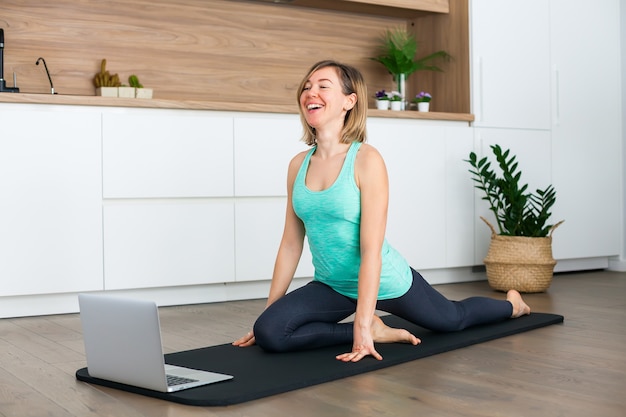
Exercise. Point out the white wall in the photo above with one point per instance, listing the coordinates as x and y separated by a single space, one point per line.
620 264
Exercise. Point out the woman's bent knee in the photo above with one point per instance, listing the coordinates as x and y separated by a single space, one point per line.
268 336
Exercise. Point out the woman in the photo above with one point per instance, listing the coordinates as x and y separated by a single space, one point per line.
337 197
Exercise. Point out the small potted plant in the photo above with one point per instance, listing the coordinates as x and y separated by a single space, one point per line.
520 255
423 101
106 84
397 52
396 101
140 91
382 100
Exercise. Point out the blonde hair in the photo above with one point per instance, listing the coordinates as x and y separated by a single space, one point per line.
354 126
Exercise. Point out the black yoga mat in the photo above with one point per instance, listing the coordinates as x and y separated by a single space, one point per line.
259 374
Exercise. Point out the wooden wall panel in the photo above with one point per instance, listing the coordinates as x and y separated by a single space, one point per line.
450 32
222 50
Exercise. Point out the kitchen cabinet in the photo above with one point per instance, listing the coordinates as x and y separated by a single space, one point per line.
586 127
50 204
259 227
149 244
510 54
428 220
164 153
167 220
263 146
540 84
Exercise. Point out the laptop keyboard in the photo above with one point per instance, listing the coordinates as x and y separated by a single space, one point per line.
173 380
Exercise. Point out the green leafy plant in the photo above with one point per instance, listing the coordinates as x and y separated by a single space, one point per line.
517 212
397 53
133 81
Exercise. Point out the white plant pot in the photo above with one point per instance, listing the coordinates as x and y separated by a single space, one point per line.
106 91
396 105
144 93
423 106
126 92
382 104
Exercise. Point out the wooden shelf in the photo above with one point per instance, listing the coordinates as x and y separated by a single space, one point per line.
405 9
76 100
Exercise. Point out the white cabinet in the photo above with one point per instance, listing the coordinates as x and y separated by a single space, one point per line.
259 227
50 201
459 197
168 188
416 169
510 52
586 131
168 243
558 70
165 153
429 197
264 145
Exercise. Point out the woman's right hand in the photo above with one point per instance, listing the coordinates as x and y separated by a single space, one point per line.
245 341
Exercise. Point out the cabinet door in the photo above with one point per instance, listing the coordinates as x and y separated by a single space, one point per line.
168 243
259 227
459 197
167 153
510 51
264 145
532 149
51 201
587 136
415 161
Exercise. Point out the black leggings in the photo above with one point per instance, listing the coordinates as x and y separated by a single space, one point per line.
309 317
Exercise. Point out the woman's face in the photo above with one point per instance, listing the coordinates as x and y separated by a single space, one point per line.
322 100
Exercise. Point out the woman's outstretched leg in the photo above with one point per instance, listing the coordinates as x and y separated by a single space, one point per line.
426 307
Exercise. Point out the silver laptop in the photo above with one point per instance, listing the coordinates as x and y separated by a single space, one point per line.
123 344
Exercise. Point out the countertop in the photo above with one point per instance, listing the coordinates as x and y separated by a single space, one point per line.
60 99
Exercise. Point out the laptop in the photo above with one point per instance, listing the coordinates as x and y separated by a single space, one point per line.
123 344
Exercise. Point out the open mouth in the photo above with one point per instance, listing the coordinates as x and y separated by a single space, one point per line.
314 106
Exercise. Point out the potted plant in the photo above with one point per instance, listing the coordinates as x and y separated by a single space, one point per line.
382 100
423 101
140 91
397 50
395 101
520 255
106 84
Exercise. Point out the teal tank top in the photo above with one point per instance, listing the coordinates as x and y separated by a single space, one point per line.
332 219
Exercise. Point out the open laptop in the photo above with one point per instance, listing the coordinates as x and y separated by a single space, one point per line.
123 344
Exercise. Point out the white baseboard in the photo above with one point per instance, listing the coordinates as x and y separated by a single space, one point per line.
617 264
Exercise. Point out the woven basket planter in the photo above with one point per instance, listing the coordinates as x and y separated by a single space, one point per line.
520 263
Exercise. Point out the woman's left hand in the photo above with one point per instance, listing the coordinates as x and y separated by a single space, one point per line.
363 346
358 353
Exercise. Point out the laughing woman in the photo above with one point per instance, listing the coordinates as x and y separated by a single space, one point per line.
337 198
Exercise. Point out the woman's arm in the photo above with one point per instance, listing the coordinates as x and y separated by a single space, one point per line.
371 177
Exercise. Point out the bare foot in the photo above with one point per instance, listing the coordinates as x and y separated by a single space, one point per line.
520 308
382 333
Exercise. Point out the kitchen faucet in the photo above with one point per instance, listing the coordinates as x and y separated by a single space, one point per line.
47 73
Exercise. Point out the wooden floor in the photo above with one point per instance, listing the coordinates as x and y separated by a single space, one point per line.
574 369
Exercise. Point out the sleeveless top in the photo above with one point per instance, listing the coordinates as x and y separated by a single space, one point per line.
332 219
